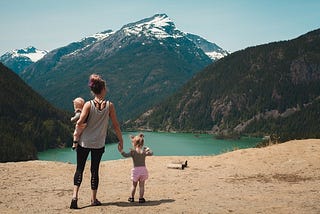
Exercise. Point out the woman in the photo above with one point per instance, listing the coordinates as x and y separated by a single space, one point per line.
95 114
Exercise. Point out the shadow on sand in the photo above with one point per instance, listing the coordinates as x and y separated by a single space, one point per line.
128 204
147 203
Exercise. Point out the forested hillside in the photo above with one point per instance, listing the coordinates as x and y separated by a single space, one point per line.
28 123
271 89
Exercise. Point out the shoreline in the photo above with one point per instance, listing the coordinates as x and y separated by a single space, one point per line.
282 178
163 145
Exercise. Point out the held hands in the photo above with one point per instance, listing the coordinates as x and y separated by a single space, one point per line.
120 147
148 151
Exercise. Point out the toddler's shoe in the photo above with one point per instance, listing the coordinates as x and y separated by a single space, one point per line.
142 200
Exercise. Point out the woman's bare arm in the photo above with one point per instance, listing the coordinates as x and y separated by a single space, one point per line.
116 126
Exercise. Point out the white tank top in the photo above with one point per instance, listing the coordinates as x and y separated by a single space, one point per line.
95 133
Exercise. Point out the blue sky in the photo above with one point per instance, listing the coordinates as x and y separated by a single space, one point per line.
231 24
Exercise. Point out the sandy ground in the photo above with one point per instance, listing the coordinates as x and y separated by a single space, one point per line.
282 178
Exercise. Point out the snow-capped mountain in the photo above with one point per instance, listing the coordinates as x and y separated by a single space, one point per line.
159 26
19 59
211 49
144 62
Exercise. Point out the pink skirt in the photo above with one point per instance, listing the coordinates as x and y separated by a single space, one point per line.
139 173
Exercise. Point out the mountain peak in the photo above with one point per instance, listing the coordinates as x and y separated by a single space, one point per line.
159 26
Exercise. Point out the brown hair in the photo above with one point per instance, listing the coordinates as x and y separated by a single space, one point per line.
96 83
138 140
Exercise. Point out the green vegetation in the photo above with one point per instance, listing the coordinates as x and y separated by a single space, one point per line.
303 124
262 90
28 123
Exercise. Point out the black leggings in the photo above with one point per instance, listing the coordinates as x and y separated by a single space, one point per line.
82 155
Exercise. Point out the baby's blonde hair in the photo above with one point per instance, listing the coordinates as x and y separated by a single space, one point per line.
78 103
138 141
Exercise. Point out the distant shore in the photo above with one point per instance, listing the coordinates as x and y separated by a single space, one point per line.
283 178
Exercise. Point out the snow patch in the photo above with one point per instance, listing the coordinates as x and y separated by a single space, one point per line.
215 55
156 27
32 53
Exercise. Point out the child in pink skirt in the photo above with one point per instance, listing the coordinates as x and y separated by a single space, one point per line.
139 173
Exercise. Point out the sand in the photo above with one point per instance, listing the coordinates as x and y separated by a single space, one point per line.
283 178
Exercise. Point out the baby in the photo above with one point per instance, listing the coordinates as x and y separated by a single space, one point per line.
78 104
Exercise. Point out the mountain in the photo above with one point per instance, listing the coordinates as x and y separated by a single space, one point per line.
211 49
28 123
271 89
17 60
143 62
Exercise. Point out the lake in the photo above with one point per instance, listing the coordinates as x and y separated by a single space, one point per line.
162 144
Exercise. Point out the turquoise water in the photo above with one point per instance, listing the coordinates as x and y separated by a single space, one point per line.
162 144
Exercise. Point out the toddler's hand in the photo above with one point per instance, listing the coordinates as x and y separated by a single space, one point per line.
146 149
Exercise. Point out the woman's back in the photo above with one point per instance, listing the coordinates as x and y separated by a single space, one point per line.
95 133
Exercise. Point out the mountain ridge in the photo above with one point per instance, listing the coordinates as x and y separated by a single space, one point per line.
19 64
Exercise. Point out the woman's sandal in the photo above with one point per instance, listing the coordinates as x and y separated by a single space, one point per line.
95 203
131 200
74 203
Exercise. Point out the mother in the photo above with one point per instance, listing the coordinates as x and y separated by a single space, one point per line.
96 114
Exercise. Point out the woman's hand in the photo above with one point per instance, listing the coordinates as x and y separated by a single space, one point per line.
120 147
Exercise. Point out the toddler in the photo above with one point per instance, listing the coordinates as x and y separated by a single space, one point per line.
139 173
